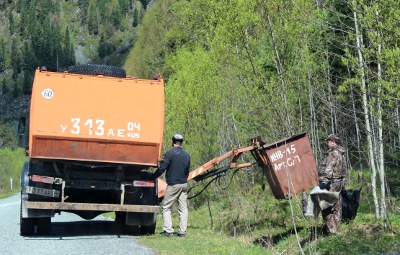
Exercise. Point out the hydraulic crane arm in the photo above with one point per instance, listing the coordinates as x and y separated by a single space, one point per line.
236 153
288 165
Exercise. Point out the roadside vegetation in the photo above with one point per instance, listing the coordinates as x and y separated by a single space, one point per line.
5 195
11 163
212 230
239 69
267 228
12 159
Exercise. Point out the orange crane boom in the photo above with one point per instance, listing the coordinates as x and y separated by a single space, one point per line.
214 162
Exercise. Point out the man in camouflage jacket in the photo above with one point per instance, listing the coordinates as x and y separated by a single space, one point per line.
331 174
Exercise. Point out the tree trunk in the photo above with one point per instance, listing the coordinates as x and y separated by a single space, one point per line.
366 114
381 166
279 69
358 136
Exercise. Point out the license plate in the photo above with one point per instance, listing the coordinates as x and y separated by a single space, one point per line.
42 192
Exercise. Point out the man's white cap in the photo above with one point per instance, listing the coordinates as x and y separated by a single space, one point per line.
177 137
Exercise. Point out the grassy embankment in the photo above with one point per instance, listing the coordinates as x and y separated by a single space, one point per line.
364 235
275 231
9 194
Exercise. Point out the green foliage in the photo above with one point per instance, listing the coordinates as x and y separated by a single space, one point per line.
27 83
93 22
135 21
11 162
4 86
146 58
2 55
40 32
17 88
144 2
362 236
7 136
68 52
235 70
105 48
11 21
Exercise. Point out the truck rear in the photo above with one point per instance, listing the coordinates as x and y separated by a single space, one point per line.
93 135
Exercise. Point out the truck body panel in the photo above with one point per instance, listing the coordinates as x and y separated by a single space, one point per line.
96 118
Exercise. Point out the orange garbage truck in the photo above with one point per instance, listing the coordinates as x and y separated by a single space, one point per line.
93 134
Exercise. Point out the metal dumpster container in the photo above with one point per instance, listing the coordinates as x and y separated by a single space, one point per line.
289 165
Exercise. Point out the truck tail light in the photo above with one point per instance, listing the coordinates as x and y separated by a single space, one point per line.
43 179
143 183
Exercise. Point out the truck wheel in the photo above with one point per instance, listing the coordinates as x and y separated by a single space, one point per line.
93 69
119 218
27 225
131 230
148 230
44 226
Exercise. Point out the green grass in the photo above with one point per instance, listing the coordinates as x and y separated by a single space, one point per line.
200 239
273 231
9 194
274 235
365 235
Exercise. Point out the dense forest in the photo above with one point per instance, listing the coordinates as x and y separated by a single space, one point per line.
58 34
239 69
235 70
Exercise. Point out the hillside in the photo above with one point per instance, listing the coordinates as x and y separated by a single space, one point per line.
58 34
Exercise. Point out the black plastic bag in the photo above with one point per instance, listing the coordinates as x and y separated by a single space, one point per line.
350 203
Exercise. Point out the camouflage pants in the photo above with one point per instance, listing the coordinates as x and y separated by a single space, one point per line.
333 215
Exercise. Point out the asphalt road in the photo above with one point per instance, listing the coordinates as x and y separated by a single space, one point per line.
70 235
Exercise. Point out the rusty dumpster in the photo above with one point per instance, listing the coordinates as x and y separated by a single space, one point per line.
289 165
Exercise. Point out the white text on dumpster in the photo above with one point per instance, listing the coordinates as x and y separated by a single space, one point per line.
287 157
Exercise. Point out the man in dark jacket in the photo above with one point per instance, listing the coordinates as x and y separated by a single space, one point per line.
177 164
331 174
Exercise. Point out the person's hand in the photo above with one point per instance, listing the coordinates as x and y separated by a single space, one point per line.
323 185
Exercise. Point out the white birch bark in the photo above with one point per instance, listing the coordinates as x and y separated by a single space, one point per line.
381 166
279 69
366 113
396 140
357 127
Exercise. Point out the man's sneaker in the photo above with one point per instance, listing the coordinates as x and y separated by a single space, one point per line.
166 234
181 234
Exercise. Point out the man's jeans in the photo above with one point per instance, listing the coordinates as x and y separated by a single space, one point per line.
174 192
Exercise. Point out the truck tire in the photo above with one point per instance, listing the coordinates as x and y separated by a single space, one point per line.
132 230
44 226
27 225
119 218
148 230
93 69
